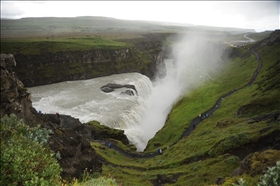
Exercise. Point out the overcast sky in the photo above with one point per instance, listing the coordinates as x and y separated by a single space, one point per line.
258 15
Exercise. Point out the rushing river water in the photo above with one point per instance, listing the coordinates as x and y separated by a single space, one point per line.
140 116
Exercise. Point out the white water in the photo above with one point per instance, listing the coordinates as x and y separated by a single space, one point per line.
139 116
84 100
157 106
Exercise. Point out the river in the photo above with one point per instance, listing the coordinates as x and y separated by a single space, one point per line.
140 116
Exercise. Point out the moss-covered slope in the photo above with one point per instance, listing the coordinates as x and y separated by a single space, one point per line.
248 121
43 61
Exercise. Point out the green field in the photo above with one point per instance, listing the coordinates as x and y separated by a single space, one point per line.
203 157
37 46
217 146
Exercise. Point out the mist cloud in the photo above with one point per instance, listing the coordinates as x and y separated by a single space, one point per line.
238 14
195 60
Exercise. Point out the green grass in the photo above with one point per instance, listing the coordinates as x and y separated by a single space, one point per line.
260 36
54 45
202 157
256 36
203 98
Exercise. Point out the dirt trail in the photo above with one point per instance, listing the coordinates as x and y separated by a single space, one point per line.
195 122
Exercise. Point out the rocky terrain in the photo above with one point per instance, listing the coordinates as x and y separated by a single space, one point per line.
69 137
144 56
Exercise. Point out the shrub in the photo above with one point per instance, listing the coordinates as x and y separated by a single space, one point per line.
240 182
24 161
12 127
271 177
232 141
98 181
233 160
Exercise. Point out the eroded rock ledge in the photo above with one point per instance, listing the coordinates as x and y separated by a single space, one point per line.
69 139
110 87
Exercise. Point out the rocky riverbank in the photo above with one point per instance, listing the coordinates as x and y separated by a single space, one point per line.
69 138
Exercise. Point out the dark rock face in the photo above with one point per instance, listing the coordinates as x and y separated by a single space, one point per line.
42 69
107 89
163 179
103 134
273 38
14 97
70 139
47 68
110 87
128 92
257 163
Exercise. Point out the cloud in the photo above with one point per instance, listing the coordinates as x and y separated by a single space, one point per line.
241 14
11 10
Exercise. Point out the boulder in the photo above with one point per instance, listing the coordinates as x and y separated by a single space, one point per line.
112 86
68 139
128 92
107 89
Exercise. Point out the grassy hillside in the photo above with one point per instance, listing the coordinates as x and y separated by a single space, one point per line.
48 26
53 45
243 124
217 146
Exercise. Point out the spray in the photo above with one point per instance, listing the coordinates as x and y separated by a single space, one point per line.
195 58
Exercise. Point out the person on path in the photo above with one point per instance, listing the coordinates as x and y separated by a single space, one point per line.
109 145
159 151
200 117
57 114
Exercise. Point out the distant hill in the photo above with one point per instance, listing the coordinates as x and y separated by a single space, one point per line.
87 24
227 29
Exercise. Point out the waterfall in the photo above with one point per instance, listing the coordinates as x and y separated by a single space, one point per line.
157 106
131 116
83 99
140 116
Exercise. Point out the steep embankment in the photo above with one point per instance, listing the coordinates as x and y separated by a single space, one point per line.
49 61
68 138
245 125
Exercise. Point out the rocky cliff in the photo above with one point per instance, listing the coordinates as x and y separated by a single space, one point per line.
274 38
70 139
143 56
14 97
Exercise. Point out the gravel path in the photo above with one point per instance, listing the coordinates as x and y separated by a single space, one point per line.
195 122
65 120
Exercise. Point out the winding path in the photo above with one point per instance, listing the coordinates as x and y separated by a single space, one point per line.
195 122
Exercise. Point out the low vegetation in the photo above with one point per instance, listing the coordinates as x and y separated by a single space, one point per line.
25 158
210 155
54 45
211 151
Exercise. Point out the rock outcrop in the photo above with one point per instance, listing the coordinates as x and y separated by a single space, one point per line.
272 39
14 97
110 87
69 139
144 56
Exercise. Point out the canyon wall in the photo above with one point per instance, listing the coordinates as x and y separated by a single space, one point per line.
143 56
